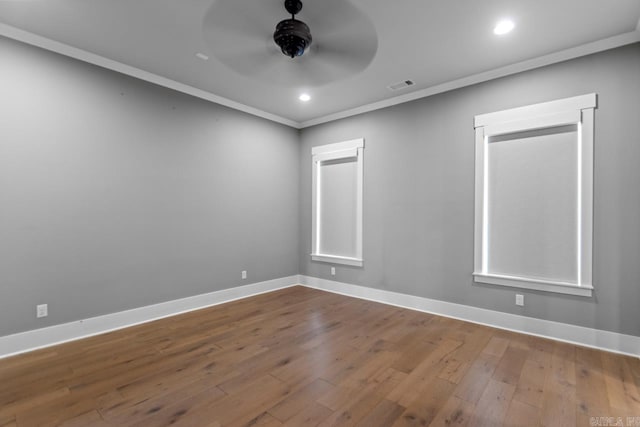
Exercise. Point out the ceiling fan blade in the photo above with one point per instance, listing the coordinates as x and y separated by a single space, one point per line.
229 20
338 56
327 16
253 62
355 53
238 35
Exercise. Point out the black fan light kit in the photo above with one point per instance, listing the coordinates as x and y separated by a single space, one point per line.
291 35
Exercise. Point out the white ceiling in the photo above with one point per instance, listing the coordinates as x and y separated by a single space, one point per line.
437 44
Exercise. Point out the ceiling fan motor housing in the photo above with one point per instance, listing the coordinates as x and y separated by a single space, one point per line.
292 36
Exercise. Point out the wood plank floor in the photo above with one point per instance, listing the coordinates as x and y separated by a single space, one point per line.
301 357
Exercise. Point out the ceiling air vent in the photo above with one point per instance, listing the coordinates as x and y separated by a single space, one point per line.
401 85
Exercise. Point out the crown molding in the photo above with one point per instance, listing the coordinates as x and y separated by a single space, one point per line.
82 55
530 64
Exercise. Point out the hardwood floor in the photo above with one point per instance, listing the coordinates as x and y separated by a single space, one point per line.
301 357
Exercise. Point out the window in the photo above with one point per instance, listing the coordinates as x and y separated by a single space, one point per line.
534 196
337 203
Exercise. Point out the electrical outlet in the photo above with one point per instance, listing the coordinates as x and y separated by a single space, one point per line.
520 300
244 274
333 271
42 310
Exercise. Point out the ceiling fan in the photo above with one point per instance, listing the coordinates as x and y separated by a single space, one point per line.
240 34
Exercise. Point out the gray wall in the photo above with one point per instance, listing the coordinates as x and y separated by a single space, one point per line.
115 193
419 190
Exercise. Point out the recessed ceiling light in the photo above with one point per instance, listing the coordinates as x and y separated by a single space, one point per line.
202 56
503 27
304 97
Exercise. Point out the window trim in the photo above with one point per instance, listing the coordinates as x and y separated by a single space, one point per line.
341 150
577 110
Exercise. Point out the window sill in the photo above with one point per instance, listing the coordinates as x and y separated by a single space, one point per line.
334 259
534 284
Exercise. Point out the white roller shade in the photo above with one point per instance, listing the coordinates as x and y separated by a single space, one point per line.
532 204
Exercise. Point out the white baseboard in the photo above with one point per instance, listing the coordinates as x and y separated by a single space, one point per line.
40 338
595 338
45 337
